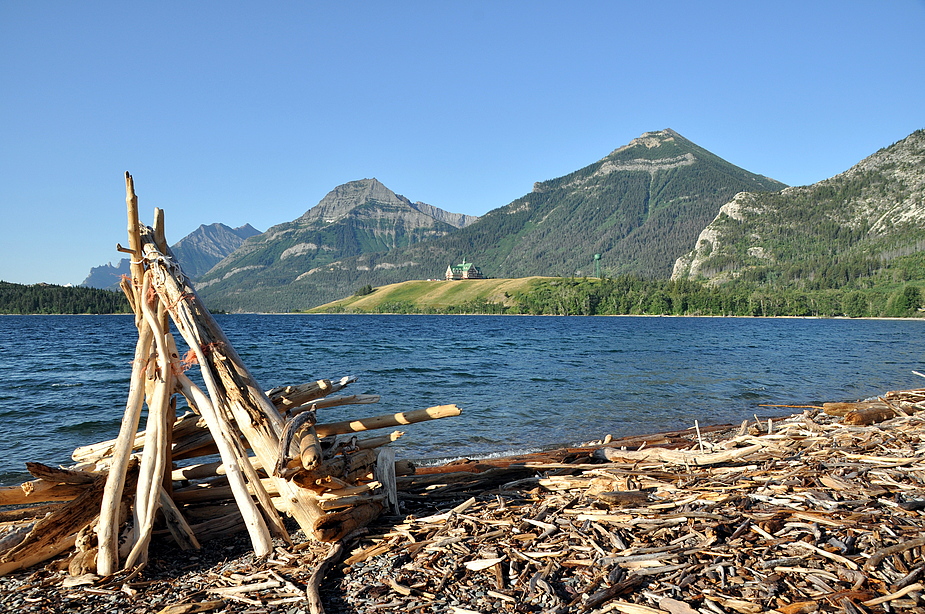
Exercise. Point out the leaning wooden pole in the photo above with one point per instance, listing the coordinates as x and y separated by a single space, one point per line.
231 385
107 530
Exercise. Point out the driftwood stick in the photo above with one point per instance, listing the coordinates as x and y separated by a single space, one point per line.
387 420
256 528
134 243
680 457
883 553
154 455
177 524
185 432
284 397
325 402
313 587
107 559
229 432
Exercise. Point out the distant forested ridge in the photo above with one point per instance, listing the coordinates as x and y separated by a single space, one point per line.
50 299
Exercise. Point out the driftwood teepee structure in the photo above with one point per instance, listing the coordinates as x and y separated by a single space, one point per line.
274 457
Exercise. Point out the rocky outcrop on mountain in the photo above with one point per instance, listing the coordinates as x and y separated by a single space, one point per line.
823 235
459 220
198 252
355 218
206 246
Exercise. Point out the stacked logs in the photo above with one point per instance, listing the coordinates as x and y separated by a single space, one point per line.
274 456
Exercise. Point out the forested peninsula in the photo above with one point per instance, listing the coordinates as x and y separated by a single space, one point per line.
44 299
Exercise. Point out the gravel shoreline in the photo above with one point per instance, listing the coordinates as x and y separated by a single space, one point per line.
805 515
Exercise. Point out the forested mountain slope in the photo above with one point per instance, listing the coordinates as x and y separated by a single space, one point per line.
863 227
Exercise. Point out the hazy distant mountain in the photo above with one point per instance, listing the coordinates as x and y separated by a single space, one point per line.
206 246
855 225
640 207
355 218
197 252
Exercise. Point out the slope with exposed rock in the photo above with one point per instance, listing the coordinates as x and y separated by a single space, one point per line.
640 207
853 226
355 218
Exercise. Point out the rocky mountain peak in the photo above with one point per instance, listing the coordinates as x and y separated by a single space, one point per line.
650 140
340 201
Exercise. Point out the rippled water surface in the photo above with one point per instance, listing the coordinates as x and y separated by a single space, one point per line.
522 382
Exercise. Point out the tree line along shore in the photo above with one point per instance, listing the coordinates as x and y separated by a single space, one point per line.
621 295
631 295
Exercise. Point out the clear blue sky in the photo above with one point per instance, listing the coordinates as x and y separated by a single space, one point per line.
251 112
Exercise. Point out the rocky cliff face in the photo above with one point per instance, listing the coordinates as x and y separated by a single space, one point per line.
874 212
206 246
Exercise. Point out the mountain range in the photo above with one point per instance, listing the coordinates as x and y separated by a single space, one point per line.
640 207
658 207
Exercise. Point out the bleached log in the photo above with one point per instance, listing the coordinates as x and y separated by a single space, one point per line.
679 457
57 532
154 455
59 475
107 560
39 491
387 420
347 467
257 529
869 415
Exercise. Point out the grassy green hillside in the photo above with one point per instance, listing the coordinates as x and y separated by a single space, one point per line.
434 295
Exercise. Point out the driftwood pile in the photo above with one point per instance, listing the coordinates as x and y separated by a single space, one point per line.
806 514
274 455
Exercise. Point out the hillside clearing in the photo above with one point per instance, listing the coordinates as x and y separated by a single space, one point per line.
433 294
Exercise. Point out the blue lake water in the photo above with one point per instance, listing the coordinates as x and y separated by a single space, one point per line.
522 382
